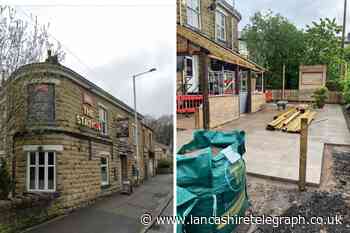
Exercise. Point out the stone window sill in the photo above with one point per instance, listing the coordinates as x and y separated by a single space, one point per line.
53 194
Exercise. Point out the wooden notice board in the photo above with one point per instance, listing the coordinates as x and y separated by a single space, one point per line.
312 77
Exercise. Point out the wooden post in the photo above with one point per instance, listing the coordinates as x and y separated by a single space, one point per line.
283 81
196 119
249 88
238 79
303 154
204 64
345 70
262 82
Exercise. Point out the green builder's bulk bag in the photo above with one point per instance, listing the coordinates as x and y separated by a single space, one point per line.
216 183
185 202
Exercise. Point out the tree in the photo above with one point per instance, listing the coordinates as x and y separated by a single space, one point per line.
323 42
163 128
273 41
23 41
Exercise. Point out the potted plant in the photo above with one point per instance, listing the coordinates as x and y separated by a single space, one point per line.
320 96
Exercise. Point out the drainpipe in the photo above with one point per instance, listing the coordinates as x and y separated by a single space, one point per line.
262 82
13 166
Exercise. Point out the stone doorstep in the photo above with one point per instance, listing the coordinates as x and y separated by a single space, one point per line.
157 212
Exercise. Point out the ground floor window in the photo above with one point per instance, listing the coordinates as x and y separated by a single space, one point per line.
104 171
41 171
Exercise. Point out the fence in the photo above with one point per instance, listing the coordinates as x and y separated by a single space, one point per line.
188 103
304 96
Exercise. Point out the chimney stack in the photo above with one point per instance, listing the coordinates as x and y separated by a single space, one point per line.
51 59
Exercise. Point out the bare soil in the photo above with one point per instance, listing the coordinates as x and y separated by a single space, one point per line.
332 198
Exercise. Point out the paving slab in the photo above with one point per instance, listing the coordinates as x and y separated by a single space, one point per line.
115 214
275 154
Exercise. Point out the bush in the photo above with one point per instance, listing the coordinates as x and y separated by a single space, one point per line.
346 90
165 163
5 181
334 85
320 96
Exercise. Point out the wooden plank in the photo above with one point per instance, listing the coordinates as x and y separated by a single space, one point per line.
278 122
303 154
292 117
295 126
249 87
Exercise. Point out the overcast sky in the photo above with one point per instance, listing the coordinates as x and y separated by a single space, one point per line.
301 12
109 41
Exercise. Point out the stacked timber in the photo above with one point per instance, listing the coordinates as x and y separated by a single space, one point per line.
290 120
277 123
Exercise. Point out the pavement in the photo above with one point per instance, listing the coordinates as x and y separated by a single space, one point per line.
275 154
164 228
117 213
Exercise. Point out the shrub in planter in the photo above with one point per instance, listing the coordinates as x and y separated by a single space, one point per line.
5 180
320 97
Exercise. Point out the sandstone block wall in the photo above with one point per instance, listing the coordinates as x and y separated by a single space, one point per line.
223 109
258 101
20 213
78 174
207 22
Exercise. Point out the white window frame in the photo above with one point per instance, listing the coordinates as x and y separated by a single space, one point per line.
194 13
103 119
219 26
104 183
36 166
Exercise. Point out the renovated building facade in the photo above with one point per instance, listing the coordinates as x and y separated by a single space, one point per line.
210 70
62 135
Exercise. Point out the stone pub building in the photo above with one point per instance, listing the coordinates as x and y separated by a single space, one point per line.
64 136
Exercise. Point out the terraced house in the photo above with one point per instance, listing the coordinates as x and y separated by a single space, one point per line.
210 70
64 136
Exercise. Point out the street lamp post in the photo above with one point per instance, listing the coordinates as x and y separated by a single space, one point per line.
135 115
